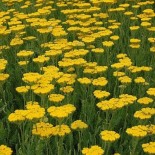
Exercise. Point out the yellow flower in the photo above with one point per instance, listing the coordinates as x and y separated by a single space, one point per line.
114 37
134 45
101 81
23 63
61 130
22 89
84 80
34 111
25 53
18 116
135 41
61 111
41 59
133 28
3 77
67 89
42 89
145 113
125 79
118 74
149 147
42 129
140 80
145 100
151 91
110 136
56 97
145 24
93 150
16 41
137 131
152 49
98 50
108 43
31 77
78 124
4 150
101 94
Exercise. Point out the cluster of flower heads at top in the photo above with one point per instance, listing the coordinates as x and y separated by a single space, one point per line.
147 111
3 76
33 112
141 131
149 147
46 130
43 84
117 103
145 18
107 136
5 150
125 66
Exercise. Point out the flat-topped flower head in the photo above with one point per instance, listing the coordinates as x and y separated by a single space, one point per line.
78 125
23 89
5 150
93 150
145 100
138 131
61 111
149 148
42 129
151 91
56 97
25 53
109 136
3 77
84 80
61 130
101 81
145 113
107 43
31 77
101 94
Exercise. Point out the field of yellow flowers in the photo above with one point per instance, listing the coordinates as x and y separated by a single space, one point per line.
77 77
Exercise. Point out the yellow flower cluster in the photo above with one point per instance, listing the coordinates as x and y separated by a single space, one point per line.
23 89
78 124
140 131
151 91
61 111
3 63
149 147
33 112
3 77
145 100
116 103
42 129
145 113
61 130
101 81
4 150
101 94
42 88
84 80
31 78
56 97
110 136
41 59
25 54
93 150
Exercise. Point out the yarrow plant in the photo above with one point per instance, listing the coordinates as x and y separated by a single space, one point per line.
77 77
